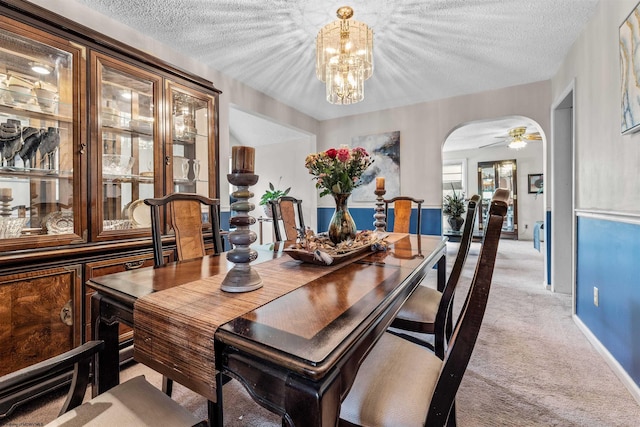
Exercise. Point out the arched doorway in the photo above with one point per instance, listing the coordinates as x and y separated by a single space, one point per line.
481 142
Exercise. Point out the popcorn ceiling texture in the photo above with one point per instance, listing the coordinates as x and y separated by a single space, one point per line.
423 49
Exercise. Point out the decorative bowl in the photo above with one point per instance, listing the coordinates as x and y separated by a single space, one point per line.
117 164
11 227
46 99
20 93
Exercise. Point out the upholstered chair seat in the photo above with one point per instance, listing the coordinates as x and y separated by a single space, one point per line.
379 394
133 403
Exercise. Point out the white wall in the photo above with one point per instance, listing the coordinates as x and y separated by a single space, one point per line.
281 165
606 162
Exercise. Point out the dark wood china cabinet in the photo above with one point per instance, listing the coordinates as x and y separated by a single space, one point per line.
491 176
89 128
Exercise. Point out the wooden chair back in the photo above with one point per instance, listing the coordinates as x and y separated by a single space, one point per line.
443 319
289 210
402 207
185 213
467 328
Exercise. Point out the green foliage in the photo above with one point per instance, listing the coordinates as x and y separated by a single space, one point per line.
453 205
273 194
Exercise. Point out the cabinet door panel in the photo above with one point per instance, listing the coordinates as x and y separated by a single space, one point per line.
192 147
39 316
41 116
499 174
127 126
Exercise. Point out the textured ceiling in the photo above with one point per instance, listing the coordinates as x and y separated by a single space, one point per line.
423 49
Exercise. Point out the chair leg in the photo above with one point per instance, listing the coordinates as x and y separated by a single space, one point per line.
167 386
214 413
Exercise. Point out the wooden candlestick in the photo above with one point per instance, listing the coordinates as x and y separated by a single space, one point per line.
243 159
379 216
242 278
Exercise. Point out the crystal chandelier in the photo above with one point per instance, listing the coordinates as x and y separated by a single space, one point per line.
344 58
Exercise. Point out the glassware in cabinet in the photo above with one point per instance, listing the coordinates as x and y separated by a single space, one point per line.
127 116
39 124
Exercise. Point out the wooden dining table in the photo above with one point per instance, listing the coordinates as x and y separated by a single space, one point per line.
295 344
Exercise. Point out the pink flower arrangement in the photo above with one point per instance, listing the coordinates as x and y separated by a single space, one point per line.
338 170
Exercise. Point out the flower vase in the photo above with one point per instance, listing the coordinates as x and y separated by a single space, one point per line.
342 226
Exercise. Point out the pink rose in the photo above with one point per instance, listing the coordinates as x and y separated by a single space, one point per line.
343 154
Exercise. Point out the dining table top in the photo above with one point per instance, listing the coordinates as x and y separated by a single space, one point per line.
308 324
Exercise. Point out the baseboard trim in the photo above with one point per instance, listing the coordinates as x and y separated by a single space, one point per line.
617 369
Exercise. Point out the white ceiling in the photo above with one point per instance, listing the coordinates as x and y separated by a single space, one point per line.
484 133
423 49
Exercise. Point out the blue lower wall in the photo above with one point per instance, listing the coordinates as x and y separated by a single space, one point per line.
608 257
547 242
431 219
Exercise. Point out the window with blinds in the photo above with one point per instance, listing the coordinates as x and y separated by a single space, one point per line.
453 177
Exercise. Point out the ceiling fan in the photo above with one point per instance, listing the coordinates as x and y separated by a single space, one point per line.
517 138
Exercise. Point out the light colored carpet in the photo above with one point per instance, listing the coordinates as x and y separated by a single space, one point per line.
531 365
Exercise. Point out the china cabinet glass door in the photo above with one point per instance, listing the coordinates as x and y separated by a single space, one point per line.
499 174
39 137
191 151
127 121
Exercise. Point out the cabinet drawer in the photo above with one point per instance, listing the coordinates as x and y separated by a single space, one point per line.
110 266
40 315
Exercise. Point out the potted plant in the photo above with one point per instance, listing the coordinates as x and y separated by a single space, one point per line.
453 207
271 194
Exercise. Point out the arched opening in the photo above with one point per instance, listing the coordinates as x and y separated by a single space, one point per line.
474 149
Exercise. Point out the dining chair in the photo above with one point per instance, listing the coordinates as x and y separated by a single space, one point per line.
289 210
402 383
134 402
402 207
426 310
185 219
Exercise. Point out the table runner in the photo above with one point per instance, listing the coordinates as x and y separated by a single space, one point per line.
174 328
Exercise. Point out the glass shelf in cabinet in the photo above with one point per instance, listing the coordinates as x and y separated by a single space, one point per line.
59 112
110 126
28 173
126 88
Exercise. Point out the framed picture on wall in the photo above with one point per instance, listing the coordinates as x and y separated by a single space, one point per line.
384 148
536 183
629 63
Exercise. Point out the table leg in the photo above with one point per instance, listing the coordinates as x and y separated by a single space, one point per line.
106 369
305 405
